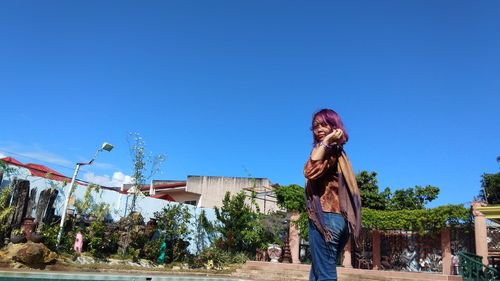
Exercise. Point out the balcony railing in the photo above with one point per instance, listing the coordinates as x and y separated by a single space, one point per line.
473 269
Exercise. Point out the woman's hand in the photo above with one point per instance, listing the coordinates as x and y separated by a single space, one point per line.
334 136
319 151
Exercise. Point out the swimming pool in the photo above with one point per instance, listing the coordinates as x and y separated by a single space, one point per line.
65 276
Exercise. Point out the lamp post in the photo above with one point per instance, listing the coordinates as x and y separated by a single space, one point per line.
105 146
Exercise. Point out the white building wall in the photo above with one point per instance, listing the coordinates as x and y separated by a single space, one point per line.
213 189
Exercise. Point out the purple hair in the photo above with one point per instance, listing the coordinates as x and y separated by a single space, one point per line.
331 118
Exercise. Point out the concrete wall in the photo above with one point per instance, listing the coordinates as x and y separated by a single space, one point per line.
213 189
183 197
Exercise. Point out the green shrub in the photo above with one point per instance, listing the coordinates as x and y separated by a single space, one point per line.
102 242
50 232
239 258
219 257
152 249
240 225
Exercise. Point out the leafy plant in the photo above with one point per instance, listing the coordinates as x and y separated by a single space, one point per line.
291 197
274 229
409 199
204 233
490 192
413 198
87 206
50 231
101 241
5 169
145 165
240 226
370 196
173 221
152 249
418 220
17 232
5 211
218 258
239 258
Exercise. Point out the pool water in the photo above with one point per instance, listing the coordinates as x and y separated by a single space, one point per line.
45 276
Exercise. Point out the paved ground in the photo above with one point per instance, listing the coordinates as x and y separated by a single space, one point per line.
266 271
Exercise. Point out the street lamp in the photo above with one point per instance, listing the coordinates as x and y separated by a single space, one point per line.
105 146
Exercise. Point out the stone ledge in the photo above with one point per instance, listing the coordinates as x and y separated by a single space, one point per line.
354 274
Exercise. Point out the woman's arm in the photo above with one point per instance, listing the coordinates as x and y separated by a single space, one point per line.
319 151
315 168
318 162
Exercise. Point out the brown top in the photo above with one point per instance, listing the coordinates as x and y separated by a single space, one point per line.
331 186
326 182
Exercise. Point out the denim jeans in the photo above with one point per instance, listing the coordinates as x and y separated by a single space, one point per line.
325 254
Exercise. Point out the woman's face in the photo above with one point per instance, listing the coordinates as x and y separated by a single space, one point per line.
320 129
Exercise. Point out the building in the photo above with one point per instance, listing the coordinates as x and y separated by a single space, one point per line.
209 191
199 191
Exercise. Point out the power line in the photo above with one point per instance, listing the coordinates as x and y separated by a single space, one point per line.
32 158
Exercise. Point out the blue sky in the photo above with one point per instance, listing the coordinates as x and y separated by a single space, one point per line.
228 88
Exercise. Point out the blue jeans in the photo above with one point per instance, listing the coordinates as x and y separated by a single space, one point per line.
325 254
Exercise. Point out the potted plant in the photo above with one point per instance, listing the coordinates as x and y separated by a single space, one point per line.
17 236
274 252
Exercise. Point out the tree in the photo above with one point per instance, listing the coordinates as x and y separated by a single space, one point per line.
173 222
370 196
413 198
87 206
240 226
402 199
205 232
490 184
145 166
291 197
490 187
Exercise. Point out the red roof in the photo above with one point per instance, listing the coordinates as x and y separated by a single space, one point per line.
164 186
164 197
38 170
11 161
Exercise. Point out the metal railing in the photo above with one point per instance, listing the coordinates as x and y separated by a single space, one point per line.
473 269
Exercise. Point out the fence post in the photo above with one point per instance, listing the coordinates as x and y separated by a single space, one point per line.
293 237
376 250
347 262
480 232
446 250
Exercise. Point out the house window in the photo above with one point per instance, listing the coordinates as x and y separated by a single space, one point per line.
190 202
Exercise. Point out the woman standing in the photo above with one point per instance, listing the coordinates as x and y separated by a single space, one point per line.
332 195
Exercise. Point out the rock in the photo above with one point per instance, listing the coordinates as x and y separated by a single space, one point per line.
145 263
184 266
18 265
115 262
34 254
85 260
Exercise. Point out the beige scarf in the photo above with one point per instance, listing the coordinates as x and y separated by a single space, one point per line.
349 197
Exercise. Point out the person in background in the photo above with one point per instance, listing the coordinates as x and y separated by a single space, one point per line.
78 243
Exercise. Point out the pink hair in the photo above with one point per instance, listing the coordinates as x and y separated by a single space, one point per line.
331 118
